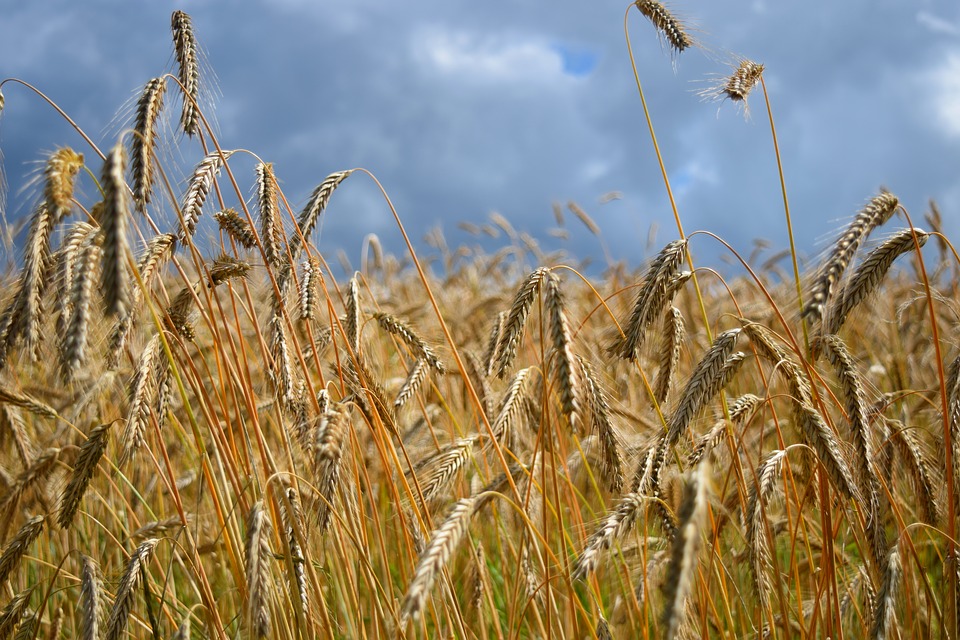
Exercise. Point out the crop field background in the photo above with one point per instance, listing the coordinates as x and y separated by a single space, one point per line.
239 439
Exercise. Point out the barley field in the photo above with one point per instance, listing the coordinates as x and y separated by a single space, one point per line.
232 439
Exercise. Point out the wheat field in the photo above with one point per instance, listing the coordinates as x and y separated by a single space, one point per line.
229 438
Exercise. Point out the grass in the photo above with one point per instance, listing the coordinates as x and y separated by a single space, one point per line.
223 439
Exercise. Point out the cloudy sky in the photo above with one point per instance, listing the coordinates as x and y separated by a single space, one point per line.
466 108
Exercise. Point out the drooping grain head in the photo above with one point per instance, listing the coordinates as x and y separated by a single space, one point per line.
144 141
113 224
671 29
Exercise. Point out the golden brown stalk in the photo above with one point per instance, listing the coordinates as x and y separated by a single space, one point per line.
258 555
513 328
271 226
330 433
611 463
197 191
310 288
13 553
311 211
443 543
868 275
83 469
415 378
421 350
127 589
876 213
477 372
236 227
686 547
144 141
91 604
669 355
185 50
885 614
564 368
113 225
654 295
668 26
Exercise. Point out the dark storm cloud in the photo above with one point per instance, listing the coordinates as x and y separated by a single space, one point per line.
461 109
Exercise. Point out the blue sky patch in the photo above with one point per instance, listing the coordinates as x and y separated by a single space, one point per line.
577 61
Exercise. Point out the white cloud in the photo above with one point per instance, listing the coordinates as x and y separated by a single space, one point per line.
496 59
937 24
945 84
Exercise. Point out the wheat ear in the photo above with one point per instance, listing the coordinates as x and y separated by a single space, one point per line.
396 327
113 226
144 141
669 355
185 49
443 543
919 469
506 350
885 614
683 558
611 462
511 406
197 191
271 227
618 523
869 274
654 295
876 213
257 552
73 343
15 549
668 26
311 211
330 434
91 603
435 473
83 469
141 390
755 523
127 589
13 612
310 288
